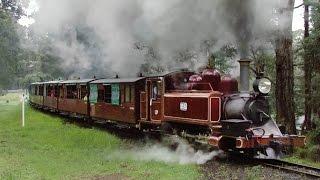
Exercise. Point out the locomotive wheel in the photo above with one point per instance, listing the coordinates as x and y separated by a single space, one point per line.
89 121
167 128
246 154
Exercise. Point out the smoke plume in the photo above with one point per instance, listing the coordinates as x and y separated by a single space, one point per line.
99 37
184 153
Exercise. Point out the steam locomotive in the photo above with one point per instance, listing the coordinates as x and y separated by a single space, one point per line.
204 106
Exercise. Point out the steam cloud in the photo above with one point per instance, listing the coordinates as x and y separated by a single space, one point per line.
98 36
183 154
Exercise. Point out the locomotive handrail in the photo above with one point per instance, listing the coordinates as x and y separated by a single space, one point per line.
197 83
257 129
190 91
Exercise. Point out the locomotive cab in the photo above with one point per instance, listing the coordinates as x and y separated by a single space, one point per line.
182 101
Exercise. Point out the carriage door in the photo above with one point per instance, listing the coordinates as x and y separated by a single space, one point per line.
155 91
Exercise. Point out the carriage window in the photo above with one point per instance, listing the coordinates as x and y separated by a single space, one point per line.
34 90
72 92
56 90
122 93
50 91
108 94
93 93
45 89
40 90
84 92
155 90
132 93
61 92
100 95
127 93
115 96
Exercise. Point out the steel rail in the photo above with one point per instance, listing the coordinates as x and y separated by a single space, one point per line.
291 167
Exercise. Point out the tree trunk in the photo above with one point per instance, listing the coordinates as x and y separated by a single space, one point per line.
307 125
284 71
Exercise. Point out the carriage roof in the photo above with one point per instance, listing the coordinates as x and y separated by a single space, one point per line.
117 80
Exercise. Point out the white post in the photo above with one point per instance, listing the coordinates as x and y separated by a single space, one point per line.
23 110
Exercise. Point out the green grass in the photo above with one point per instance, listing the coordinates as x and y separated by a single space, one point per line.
47 148
305 161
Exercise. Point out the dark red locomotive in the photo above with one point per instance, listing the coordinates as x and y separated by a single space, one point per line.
203 105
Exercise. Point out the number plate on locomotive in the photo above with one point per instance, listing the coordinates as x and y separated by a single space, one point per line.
183 106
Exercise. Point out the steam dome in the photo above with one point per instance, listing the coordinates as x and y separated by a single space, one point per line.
212 76
195 78
228 85
193 81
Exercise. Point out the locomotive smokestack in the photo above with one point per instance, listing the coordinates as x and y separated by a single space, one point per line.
244 74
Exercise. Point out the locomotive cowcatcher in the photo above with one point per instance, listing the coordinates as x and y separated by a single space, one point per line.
203 105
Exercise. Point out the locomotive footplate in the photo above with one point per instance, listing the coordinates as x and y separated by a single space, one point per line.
258 141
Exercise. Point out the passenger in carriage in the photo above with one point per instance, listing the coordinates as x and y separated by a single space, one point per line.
52 94
75 95
85 98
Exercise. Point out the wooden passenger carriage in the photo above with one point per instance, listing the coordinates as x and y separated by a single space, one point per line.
50 95
142 100
116 99
73 97
36 94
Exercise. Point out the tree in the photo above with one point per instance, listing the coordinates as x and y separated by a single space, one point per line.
9 50
219 58
38 62
313 43
307 71
284 70
264 60
152 61
12 7
222 58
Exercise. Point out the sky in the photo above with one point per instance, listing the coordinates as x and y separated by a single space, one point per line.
32 8
298 21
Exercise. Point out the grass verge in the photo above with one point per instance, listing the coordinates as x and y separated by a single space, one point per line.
304 161
48 148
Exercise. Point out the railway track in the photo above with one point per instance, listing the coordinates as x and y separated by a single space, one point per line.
307 171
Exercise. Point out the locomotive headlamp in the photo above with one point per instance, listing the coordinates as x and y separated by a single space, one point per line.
262 85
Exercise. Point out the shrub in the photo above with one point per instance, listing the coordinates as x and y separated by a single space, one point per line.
314 136
314 153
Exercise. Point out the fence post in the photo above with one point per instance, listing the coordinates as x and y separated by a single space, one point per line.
23 118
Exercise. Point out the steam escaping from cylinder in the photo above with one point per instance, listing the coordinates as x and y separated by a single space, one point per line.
270 154
183 153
